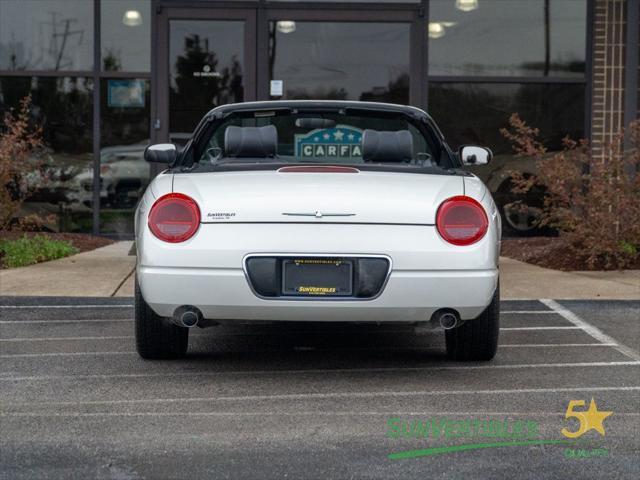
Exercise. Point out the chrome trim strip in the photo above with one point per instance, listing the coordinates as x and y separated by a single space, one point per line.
306 222
317 255
318 214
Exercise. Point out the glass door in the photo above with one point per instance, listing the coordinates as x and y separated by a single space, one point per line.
344 55
208 59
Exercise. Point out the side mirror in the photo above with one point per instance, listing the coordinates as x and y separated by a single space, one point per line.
161 153
474 155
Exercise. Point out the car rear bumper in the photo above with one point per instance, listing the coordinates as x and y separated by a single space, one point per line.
408 296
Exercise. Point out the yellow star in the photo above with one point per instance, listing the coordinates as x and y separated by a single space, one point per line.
594 418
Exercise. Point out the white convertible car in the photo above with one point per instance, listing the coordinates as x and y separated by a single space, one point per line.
322 211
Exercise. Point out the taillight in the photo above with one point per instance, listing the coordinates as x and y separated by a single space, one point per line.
174 218
461 220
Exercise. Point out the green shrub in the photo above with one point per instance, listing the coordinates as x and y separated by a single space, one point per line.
26 251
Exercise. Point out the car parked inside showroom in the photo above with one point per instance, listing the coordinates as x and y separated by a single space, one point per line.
324 211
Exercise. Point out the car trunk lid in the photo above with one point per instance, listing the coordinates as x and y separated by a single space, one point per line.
311 196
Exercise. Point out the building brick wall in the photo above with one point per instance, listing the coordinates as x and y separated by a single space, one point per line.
609 41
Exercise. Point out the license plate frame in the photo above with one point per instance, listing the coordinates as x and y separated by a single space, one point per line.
320 277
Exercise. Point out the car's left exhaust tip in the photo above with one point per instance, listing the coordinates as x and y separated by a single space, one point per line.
187 316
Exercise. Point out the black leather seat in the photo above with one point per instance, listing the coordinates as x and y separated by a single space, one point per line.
251 142
379 146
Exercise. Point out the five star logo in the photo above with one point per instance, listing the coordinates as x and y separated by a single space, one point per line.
589 419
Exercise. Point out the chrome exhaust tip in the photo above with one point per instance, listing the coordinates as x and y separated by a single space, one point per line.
447 318
187 316
189 319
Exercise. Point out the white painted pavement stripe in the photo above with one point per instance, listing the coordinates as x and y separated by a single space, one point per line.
214 337
538 328
63 339
18 307
415 393
5 378
20 322
131 352
589 329
555 345
65 354
290 414
302 396
527 312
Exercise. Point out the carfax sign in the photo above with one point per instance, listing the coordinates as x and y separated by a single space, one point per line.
339 142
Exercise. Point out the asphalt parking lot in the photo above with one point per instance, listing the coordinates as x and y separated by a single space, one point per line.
311 400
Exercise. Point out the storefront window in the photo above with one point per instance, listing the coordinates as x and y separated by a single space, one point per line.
505 37
473 113
62 107
339 61
124 175
126 35
46 34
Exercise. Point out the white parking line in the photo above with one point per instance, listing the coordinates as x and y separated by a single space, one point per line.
527 312
539 328
213 337
281 414
304 396
19 307
315 413
130 305
552 345
589 329
64 339
424 393
5 378
90 320
65 354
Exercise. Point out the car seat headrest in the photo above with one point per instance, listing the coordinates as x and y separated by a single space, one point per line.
243 142
378 146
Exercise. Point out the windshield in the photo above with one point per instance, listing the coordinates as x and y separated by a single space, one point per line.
322 138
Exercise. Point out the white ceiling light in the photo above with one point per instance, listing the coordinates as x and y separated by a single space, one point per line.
466 5
132 18
286 26
437 29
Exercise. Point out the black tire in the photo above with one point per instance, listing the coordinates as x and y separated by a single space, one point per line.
156 336
477 339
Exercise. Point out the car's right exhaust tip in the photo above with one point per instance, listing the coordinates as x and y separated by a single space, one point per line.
447 318
187 316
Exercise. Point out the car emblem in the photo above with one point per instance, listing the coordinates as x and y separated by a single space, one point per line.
317 214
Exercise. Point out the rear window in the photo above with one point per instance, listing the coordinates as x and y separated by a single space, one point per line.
320 138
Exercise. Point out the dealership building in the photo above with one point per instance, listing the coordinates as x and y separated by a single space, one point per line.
108 77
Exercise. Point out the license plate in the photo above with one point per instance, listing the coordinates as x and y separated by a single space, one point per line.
326 277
